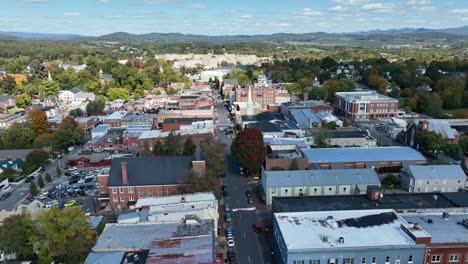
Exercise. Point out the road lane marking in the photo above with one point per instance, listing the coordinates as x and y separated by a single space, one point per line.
248 257
244 235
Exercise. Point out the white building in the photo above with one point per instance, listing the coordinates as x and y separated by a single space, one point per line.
433 178
317 182
176 208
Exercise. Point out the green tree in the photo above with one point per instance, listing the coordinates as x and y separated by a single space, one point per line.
68 133
34 160
65 235
8 173
16 232
328 63
158 149
173 144
463 142
454 150
33 189
430 142
40 182
76 112
118 93
48 178
47 88
96 106
146 151
189 146
43 140
18 136
321 139
23 100
249 150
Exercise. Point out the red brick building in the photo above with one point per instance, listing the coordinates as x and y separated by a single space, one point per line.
130 179
263 95
441 127
172 124
365 105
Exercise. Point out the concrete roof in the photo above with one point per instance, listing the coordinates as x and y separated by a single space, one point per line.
159 133
307 230
441 230
357 154
321 177
117 115
437 172
175 199
365 95
14 153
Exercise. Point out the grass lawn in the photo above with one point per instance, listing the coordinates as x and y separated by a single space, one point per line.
14 110
459 112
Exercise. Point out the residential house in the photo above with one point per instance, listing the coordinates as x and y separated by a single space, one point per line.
130 179
7 101
9 163
433 178
68 96
292 183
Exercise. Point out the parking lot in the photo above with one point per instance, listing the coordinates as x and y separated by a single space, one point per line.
77 184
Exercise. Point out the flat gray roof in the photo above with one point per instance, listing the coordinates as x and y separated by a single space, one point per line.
437 172
441 230
357 154
321 177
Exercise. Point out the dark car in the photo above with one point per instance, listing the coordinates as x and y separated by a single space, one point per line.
224 188
257 227
81 192
42 169
29 179
5 196
248 194
231 254
226 193
227 217
73 180
67 173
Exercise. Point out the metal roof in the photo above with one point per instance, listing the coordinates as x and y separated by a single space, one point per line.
443 128
321 177
437 172
100 128
356 154
105 257
182 250
303 116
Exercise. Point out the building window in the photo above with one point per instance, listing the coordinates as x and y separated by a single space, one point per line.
410 259
298 262
344 189
121 189
435 258
387 259
169 192
130 190
150 193
114 190
116 199
330 189
419 189
130 198
459 181
122 198
140 194
314 261
374 260
397 260
453 258
363 260
315 190
427 182
347 261
160 193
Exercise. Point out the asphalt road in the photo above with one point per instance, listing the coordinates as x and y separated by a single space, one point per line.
248 244
18 195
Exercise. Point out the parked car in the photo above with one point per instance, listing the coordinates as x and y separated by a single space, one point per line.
51 203
29 179
250 200
5 196
248 194
73 180
228 217
231 255
226 207
223 188
230 242
229 231
226 193
70 203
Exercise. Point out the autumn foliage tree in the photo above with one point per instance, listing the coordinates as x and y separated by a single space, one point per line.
38 120
68 133
249 150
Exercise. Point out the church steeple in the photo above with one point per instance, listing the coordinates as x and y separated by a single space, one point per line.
250 106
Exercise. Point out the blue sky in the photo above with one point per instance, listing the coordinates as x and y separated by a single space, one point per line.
227 17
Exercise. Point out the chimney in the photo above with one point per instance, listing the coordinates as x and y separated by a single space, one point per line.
124 173
199 167
423 125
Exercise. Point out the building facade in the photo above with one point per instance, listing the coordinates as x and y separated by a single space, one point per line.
365 105
433 178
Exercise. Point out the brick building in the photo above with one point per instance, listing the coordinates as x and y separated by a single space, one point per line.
263 95
130 179
441 127
163 114
171 124
365 105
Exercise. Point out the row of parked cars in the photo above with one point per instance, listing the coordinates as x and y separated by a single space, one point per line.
66 190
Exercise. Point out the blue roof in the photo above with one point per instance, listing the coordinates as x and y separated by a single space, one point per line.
437 172
356 154
105 257
302 116
299 178
95 220
100 128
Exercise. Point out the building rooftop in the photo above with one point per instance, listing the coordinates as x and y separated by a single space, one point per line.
117 115
265 116
159 133
183 120
198 249
303 117
450 230
405 201
300 142
364 95
162 170
437 172
175 199
105 257
312 103
321 177
14 153
322 230
100 128
356 154
265 127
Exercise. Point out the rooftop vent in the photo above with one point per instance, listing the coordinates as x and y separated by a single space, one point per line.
445 215
429 221
325 239
416 226
341 240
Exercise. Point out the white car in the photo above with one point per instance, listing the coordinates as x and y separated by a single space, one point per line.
51 203
230 243
81 181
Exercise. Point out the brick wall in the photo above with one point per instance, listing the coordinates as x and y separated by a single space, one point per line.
121 195
285 164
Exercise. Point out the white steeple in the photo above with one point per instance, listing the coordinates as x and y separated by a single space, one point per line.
250 104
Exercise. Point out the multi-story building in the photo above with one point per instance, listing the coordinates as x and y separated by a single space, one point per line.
433 178
365 105
116 119
345 237
292 183
262 95
441 127
130 179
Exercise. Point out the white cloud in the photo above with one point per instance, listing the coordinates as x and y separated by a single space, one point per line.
35 1
351 2
419 2
337 8
72 14
198 7
104 2
153 2
460 11
378 7
323 25
308 12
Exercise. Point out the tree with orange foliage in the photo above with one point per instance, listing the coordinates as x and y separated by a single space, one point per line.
38 120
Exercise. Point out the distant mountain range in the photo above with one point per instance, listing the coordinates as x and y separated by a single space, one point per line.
37 36
450 34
